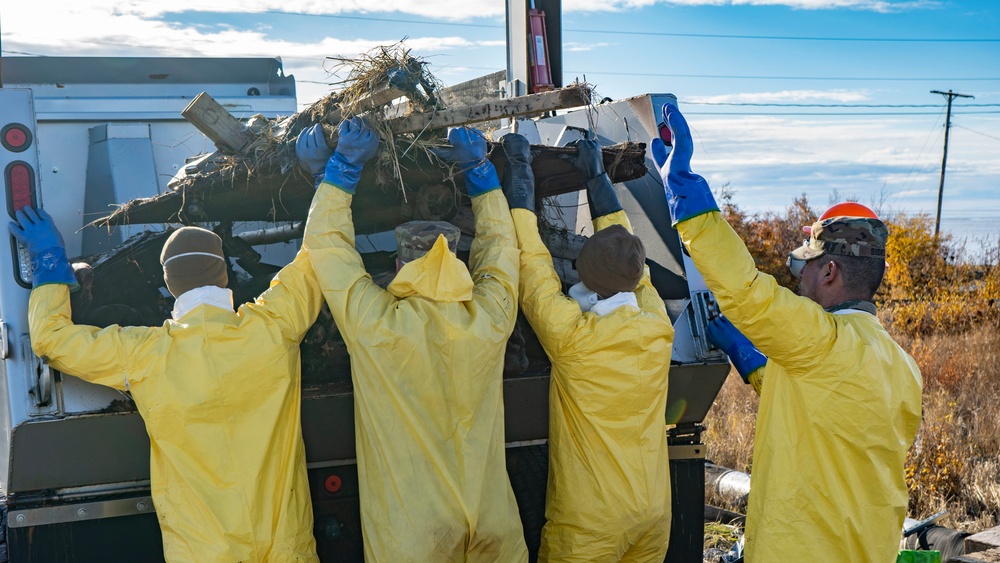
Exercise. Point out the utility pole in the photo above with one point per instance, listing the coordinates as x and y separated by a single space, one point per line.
944 160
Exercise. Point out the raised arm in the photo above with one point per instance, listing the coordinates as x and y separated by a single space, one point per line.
493 256
329 236
752 300
293 299
101 356
550 313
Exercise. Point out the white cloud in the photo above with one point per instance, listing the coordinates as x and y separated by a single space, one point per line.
581 47
63 13
786 96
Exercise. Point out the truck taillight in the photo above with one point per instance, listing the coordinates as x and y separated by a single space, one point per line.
19 180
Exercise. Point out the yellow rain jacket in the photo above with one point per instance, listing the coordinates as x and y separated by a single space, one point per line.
427 361
609 483
839 408
219 392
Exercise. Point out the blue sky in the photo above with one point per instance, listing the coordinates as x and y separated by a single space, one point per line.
718 56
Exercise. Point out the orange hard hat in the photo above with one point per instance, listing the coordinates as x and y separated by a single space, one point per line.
845 209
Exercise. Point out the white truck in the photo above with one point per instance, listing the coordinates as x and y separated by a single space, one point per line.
80 135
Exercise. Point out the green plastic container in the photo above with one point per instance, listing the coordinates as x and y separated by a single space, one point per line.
910 556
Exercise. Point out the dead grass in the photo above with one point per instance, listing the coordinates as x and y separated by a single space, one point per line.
954 462
730 427
721 536
370 72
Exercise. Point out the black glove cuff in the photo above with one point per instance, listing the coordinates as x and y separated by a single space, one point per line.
519 186
602 197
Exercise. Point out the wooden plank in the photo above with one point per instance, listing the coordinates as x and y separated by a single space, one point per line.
473 91
532 104
488 110
375 99
227 132
984 540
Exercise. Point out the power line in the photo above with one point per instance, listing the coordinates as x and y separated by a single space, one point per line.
741 76
788 37
974 131
794 105
848 113
653 33
752 77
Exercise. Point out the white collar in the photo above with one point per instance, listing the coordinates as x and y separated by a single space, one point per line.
605 306
206 295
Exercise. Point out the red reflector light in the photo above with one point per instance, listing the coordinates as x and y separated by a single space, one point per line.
19 183
665 135
15 137
332 484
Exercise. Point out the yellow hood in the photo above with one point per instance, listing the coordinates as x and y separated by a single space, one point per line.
438 275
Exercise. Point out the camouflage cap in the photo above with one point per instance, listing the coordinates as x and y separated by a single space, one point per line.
845 236
415 238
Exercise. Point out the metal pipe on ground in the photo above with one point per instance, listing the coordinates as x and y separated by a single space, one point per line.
729 484
951 543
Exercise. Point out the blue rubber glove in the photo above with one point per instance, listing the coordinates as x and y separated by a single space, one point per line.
468 151
38 233
356 145
518 177
312 151
740 350
688 194
589 160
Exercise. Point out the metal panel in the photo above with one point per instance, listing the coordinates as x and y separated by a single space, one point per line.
518 70
134 539
692 390
166 76
526 408
82 450
120 163
687 518
18 107
79 512
328 427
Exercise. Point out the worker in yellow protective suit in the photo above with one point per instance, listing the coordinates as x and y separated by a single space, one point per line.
426 362
218 389
841 405
609 342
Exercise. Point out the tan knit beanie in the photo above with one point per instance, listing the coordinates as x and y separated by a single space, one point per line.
192 257
611 261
